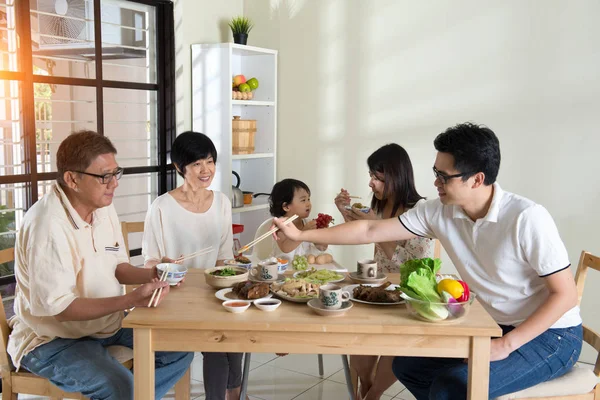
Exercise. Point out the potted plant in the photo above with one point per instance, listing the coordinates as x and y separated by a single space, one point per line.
240 27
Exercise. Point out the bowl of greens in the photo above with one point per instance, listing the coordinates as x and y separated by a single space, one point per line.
225 277
431 297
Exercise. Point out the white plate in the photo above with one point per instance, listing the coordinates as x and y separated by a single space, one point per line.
294 299
237 264
333 281
350 290
225 294
317 307
354 277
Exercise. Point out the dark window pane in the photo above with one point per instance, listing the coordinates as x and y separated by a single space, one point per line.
62 37
130 122
11 138
128 42
60 110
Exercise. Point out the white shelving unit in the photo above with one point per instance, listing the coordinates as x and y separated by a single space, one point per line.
213 66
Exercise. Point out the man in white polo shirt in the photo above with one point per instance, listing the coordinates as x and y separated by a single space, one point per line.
70 263
506 247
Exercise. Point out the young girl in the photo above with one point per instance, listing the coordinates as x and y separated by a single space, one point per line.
392 183
289 197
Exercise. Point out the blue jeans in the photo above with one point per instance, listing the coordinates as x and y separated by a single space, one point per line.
84 365
546 357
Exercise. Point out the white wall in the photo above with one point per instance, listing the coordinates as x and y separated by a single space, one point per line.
197 21
354 75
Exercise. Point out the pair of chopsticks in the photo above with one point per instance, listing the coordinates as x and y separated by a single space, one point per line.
354 197
196 254
266 235
163 278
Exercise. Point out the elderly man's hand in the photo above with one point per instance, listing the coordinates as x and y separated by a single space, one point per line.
142 295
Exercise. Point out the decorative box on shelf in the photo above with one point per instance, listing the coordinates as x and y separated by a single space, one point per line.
242 135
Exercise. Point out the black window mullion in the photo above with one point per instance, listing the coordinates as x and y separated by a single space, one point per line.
98 50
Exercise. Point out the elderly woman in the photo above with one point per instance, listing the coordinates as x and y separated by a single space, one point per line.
70 265
190 218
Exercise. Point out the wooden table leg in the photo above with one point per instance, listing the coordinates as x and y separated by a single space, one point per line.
479 368
143 364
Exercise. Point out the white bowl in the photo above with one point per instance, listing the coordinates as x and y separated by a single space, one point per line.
364 209
229 306
267 304
175 274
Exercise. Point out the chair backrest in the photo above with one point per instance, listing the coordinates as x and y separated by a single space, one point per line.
130 227
587 261
264 248
5 364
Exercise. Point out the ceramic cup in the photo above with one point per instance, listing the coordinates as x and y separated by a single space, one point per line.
331 296
366 269
265 271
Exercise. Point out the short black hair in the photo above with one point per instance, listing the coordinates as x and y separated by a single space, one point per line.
190 147
393 162
283 193
475 148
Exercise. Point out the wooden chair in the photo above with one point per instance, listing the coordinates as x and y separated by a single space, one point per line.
183 386
579 383
26 382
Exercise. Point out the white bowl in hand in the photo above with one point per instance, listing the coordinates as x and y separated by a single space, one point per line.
175 274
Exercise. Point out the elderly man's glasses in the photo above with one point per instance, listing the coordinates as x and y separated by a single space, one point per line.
106 178
445 178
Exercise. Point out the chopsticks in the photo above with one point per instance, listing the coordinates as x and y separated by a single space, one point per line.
163 278
252 243
196 254
354 197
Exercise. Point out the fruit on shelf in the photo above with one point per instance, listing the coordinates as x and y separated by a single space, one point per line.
323 220
244 87
253 83
238 80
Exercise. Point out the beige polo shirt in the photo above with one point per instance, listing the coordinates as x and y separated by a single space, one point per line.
58 258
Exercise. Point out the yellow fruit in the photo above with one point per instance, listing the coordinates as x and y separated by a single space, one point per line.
450 286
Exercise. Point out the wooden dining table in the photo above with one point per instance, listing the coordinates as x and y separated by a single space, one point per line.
191 318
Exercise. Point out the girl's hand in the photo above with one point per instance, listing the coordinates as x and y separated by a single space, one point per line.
310 225
356 214
342 199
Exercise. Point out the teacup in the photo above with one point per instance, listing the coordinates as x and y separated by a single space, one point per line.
265 271
366 269
331 296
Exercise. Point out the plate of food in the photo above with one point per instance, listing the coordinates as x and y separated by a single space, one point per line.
359 207
239 261
319 276
245 291
296 290
379 295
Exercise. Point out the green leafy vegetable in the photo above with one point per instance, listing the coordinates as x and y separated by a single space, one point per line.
225 272
419 283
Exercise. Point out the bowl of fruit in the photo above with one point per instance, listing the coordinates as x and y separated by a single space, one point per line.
431 297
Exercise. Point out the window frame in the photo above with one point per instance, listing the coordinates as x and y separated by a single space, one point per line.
164 88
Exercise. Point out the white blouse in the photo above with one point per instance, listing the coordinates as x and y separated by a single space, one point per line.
171 230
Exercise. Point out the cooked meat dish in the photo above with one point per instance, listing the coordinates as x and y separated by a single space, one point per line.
243 260
251 290
377 294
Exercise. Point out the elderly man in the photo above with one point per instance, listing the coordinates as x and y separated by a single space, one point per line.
70 263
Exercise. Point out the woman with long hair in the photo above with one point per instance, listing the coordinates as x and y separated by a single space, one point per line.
393 185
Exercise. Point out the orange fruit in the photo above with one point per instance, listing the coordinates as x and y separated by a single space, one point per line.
450 286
